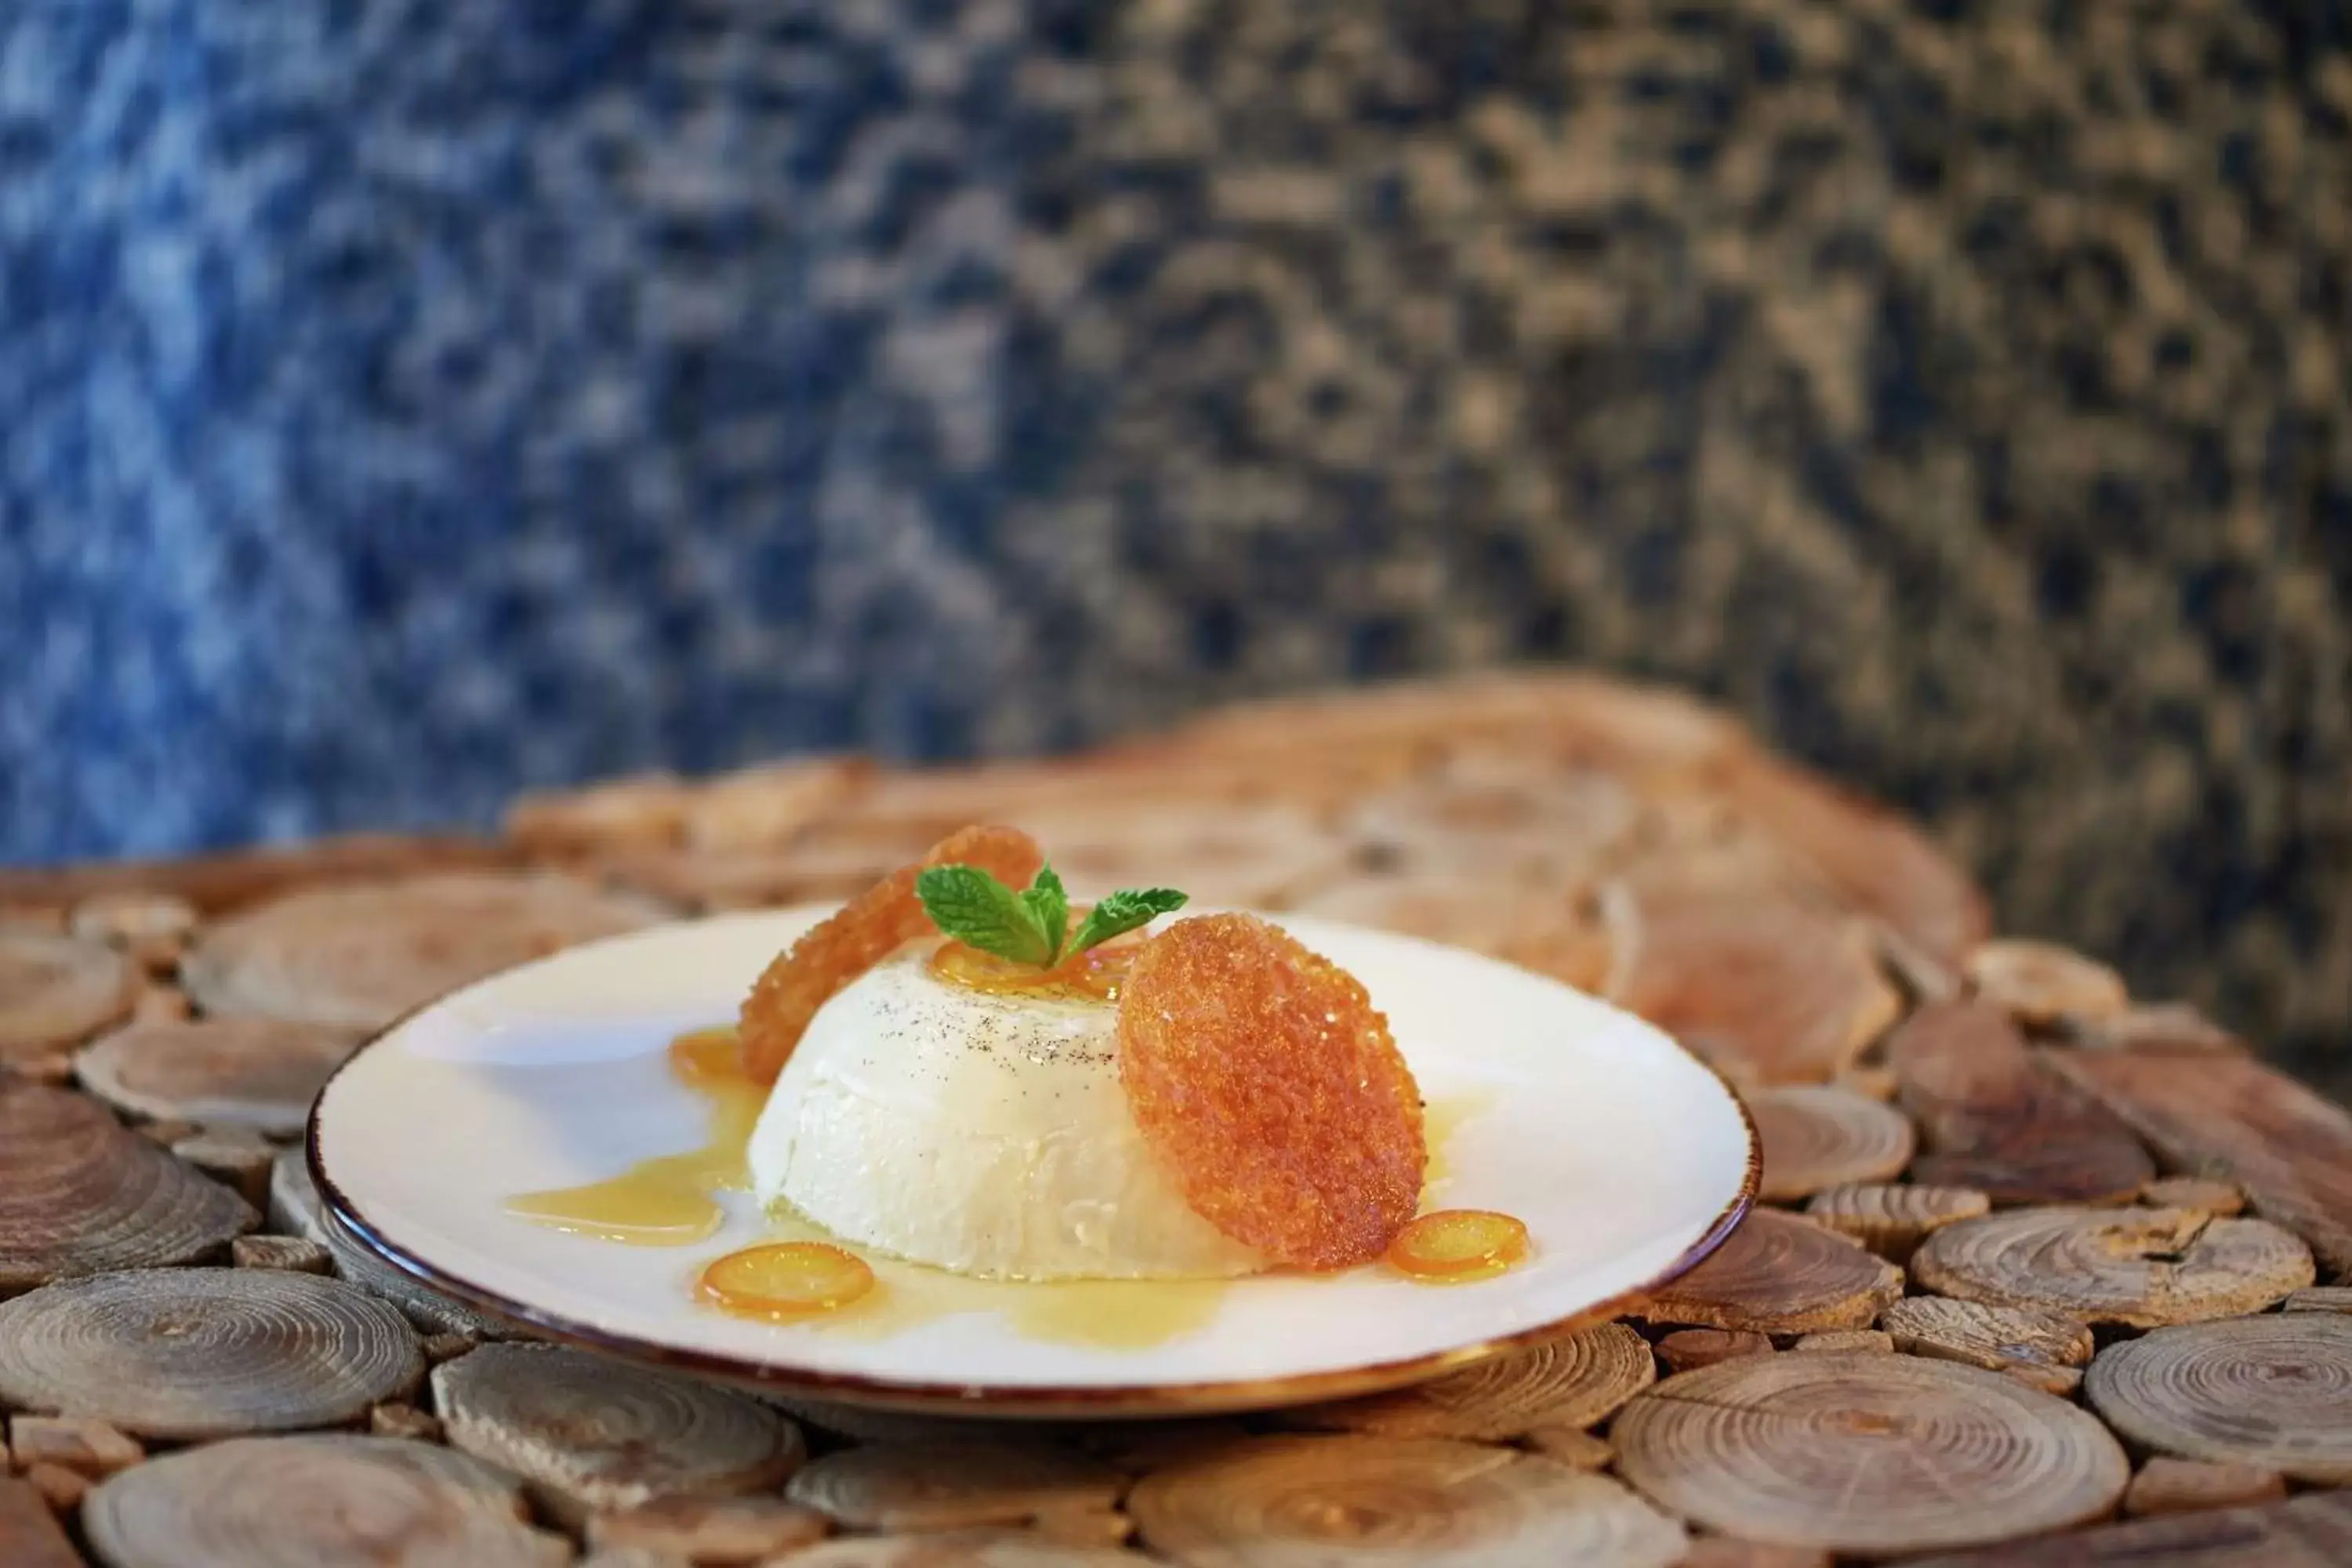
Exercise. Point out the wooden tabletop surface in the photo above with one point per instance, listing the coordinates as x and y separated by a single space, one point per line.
2046 1274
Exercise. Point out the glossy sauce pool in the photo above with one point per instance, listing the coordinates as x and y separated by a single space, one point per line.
672 1201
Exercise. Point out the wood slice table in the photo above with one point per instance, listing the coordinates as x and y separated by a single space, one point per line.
2038 1259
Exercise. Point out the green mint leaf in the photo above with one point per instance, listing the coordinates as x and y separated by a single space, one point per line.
974 907
1048 903
1123 911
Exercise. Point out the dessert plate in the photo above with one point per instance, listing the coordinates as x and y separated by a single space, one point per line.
1628 1159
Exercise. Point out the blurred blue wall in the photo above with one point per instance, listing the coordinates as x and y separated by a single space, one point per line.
402 403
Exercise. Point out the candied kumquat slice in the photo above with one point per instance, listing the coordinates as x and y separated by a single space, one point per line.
1453 1247
1268 1085
785 1280
864 931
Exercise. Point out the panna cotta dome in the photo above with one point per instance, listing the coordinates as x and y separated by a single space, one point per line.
984 1131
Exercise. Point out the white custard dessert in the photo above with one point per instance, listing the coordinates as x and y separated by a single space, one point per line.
985 1132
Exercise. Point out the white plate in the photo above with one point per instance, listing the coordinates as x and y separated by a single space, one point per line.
1628 1159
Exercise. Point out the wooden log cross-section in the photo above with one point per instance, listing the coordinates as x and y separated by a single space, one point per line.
80 1194
1780 1275
1772 991
308 1501
2015 1261
590 1435
2043 982
984 1547
2143 1267
358 957
2045 1346
187 1353
1820 1136
1567 1383
947 1485
1893 1220
256 1073
2273 1392
2310 1531
2226 1115
29 1536
1997 1120
57 991
1877 1455
1424 1501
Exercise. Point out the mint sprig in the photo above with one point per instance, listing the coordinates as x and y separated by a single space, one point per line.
976 908
1031 926
1123 911
1049 904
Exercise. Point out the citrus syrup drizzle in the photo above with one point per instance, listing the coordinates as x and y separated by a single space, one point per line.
671 1200
1100 1314
1094 975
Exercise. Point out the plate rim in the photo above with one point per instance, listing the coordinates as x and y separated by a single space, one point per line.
1022 1401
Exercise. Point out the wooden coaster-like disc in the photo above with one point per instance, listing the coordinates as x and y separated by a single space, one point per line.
2319 1299
987 1547
1778 1275
2160 1028
30 1536
769 805
2041 982
315 1502
1873 1455
1771 990
1999 1121
78 1194
867 1425
2166 1485
2144 1268
712 880
1893 1220
1295 1502
952 1485
1818 1136
149 926
1877 862
2220 1199
1625 729
1994 1338
1731 1552
1571 1381
2274 1391
261 1073
2310 1531
624 813
1497 819
57 991
358 957
187 1353
240 877
732 1530
1542 929
593 1434
1230 856
2229 1115
1688 1350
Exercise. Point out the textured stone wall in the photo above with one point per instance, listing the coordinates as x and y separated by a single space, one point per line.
407 402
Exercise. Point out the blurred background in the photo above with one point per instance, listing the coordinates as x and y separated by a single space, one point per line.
407 402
